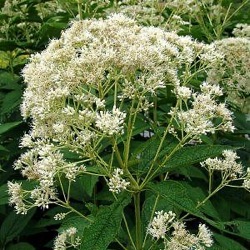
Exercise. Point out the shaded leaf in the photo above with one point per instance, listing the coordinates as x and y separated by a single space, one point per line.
8 126
225 243
13 225
10 101
240 228
4 197
105 226
8 80
21 246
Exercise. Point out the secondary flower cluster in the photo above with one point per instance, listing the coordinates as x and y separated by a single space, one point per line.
200 118
116 183
67 239
242 30
228 166
233 73
180 239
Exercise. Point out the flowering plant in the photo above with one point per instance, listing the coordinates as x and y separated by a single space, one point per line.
120 117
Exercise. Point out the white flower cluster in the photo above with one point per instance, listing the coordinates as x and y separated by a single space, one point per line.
80 88
228 166
17 194
180 239
242 30
233 74
190 6
110 122
199 119
42 163
116 183
160 224
67 239
60 216
246 182
183 92
143 11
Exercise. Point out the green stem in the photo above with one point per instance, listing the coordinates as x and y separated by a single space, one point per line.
210 195
131 122
121 245
68 192
138 230
122 165
61 185
150 174
79 6
128 231
151 218
159 148
210 181
67 205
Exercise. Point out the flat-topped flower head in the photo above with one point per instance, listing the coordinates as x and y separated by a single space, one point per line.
84 87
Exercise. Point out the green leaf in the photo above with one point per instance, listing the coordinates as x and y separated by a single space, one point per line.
2 148
225 243
193 172
177 195
8 81
190 155
84 185
20 246
11 101
144 153
88 183
8 45
240 228
4 197
48 218
74 221
186 199
13 225
105 226
8 126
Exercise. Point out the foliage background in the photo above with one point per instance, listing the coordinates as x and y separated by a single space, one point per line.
17 42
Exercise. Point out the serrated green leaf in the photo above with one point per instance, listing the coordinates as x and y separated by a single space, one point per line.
105 226
193 172
74 221
144 153
190 155
197 195
21 246
177 195
186 199
13 225
8 126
